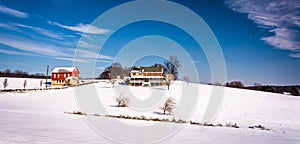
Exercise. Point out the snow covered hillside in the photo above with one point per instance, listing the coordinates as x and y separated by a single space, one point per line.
38 117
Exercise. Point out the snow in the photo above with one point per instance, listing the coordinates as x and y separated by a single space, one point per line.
68 69
17 83
38 116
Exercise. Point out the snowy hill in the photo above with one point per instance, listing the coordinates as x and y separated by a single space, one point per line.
38 117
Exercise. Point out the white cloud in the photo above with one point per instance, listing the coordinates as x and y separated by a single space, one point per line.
12 63
295 55
10 52
103 61
90 54
197 61
281 17
70 59
12 12
8 26
100 68
33 47
87 45
83 28
42 31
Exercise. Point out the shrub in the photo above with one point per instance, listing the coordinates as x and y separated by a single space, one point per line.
24 83
168 105
268 88
235 84
122 101
76 113
5 83
41 83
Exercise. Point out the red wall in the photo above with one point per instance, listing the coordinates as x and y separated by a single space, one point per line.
62 77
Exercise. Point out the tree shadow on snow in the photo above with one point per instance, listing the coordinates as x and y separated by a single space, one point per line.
159 113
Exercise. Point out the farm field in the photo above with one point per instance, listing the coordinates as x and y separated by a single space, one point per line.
40 116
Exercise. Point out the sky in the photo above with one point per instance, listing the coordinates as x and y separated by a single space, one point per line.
260 40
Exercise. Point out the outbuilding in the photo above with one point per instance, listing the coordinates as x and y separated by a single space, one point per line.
60 74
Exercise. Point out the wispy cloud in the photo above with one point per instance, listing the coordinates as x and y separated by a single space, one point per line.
33 47
100 68
295 55
8 26
70 59
90 54
87 45
197 61
12 63
83 28
280 17
42 31
11 52
86 56
12 12
104 61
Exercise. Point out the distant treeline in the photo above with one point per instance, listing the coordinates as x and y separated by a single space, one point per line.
292 90
20 74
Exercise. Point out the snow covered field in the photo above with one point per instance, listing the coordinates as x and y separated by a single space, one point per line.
17 83
38 116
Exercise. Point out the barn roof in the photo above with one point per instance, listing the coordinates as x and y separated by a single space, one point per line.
63 69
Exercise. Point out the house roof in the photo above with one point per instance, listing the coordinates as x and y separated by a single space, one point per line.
152 69
147 69
63 69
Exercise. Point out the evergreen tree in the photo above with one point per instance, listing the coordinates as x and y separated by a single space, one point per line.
294 91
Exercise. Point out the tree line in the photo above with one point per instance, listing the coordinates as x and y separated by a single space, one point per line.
293 90
20 74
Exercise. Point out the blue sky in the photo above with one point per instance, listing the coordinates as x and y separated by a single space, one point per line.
260 40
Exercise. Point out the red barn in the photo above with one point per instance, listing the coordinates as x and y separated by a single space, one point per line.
59 74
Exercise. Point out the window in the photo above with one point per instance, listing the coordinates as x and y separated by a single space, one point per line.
58 75
64 75
54 75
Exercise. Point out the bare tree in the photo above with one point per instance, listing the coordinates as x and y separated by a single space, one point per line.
5 83
24 83
168 83
7 71
169 78
257 84
41 83
186 79
122 101
169 105
113 82
171 66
